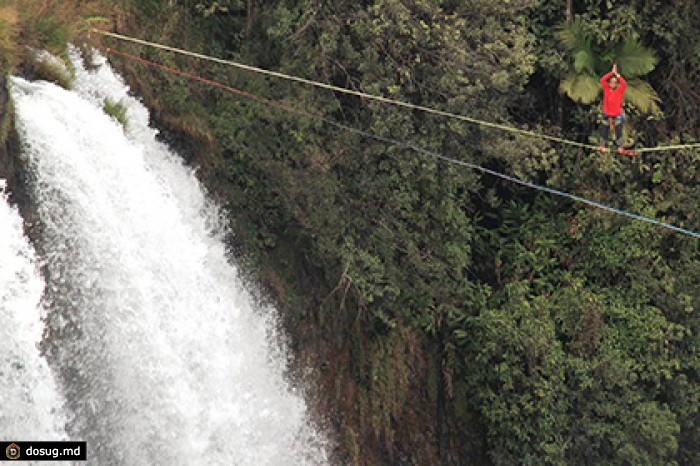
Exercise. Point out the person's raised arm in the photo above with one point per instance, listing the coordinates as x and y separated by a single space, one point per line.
623 83
605 78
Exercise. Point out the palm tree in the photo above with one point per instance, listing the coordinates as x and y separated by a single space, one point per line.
591 61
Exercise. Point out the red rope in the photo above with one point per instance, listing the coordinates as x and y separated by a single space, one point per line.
206 81
400 143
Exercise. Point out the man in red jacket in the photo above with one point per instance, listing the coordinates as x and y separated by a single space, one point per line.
614 86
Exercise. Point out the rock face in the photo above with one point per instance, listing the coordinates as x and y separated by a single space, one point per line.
7 162
13 174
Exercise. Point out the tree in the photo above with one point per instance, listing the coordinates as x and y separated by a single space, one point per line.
591 60
541 333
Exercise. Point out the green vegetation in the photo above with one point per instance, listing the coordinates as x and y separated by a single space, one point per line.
457 318
116 110
590 64
48 68
28 26
454 317
8 37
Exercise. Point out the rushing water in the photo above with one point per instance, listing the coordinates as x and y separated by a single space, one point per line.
30 406
161 355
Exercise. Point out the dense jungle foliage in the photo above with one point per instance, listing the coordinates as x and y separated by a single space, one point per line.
451 317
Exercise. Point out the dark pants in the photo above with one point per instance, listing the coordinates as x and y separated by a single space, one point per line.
605 129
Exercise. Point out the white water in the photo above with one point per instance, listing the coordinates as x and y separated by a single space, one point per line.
162 355
30 407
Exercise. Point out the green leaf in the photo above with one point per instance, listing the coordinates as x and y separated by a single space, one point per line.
584 61
582 88
573 36
633 59
640 94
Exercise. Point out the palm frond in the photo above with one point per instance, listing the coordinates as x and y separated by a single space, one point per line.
634 59
640 94
584 61
590 60
573 36
582 88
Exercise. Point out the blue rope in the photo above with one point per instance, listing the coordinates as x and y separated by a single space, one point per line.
513 179
421 150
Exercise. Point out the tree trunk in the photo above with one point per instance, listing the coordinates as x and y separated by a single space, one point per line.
250 19
443 443
560 113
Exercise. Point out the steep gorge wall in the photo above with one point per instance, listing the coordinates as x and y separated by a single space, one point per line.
8 160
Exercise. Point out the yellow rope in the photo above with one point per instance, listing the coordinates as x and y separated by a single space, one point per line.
403 144
377 98
695 145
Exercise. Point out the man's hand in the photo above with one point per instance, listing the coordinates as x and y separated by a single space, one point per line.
614 70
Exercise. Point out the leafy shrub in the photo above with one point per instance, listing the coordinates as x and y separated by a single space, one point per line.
116 110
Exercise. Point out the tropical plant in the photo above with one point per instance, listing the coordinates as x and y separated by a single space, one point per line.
591 60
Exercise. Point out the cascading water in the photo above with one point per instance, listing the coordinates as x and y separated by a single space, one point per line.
30 407
160 353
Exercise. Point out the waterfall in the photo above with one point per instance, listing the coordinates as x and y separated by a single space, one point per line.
161 354
30 406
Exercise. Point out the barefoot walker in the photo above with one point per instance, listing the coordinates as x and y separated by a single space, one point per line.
614 86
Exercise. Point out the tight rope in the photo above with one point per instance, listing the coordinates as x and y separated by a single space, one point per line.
344 90
399 143
695 145
377 98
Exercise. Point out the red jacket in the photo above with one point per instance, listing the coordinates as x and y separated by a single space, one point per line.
612 99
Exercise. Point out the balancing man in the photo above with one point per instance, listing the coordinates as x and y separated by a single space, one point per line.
614 86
